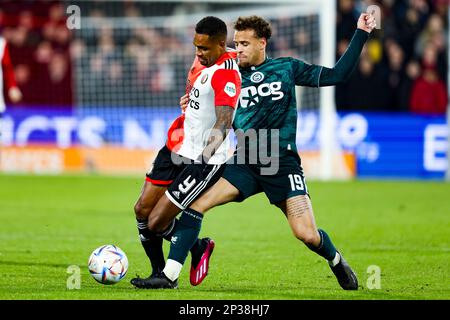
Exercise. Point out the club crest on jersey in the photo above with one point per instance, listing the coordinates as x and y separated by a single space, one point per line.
257 77
230 89
204 78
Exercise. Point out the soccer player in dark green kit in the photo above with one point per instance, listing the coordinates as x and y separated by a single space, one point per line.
268 101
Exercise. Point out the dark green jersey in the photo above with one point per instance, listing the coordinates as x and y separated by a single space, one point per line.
267 98
268 101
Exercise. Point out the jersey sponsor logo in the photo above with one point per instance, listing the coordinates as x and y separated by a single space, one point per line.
250 95
230 89
194 104
257 77
194 93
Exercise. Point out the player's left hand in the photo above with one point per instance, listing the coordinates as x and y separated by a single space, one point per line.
184 102
366 22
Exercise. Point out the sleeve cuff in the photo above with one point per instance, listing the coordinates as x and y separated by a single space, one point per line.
362 33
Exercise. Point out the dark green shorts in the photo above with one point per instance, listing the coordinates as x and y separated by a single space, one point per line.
287 182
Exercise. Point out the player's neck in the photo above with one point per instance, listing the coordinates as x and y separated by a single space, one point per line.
219 59
260 60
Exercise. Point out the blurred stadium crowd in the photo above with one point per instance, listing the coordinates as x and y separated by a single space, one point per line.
39 43
404 65
402 68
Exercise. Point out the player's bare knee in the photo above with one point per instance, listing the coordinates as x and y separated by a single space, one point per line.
307 234
309 237
141 211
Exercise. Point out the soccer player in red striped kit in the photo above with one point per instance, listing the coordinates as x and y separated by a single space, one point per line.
194 155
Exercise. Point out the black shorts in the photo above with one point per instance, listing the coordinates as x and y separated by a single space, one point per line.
287 182
185 181
192 182
164 170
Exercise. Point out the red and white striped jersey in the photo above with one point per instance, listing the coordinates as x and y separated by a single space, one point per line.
218 85
6 72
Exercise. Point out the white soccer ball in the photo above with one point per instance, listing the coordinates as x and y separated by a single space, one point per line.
108 264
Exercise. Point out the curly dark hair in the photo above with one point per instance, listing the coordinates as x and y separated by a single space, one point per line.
261 27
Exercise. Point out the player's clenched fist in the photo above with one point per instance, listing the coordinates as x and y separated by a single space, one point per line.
366 22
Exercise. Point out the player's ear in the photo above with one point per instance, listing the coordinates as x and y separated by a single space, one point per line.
262 44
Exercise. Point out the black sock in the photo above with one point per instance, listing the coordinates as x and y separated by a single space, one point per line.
326 248
152 245
167 235
185 235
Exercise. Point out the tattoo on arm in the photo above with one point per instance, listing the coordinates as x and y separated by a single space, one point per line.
224 119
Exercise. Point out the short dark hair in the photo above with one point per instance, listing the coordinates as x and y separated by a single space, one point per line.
261 27
212 26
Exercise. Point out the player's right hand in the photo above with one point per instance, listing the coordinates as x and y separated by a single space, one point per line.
184 102
366 22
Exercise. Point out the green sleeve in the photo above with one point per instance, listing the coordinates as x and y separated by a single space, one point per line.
319 76
305 74
347 63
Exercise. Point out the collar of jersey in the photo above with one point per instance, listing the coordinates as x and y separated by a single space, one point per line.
253 68
225 56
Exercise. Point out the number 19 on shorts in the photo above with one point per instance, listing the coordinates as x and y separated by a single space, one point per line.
297 183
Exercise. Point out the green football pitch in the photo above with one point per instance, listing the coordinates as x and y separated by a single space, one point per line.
396 235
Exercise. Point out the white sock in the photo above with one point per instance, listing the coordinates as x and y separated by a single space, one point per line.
336 260
172 269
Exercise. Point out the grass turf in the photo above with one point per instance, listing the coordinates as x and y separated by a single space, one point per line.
48 223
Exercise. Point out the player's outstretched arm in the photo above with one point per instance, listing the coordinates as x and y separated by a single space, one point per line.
320 76
347 63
